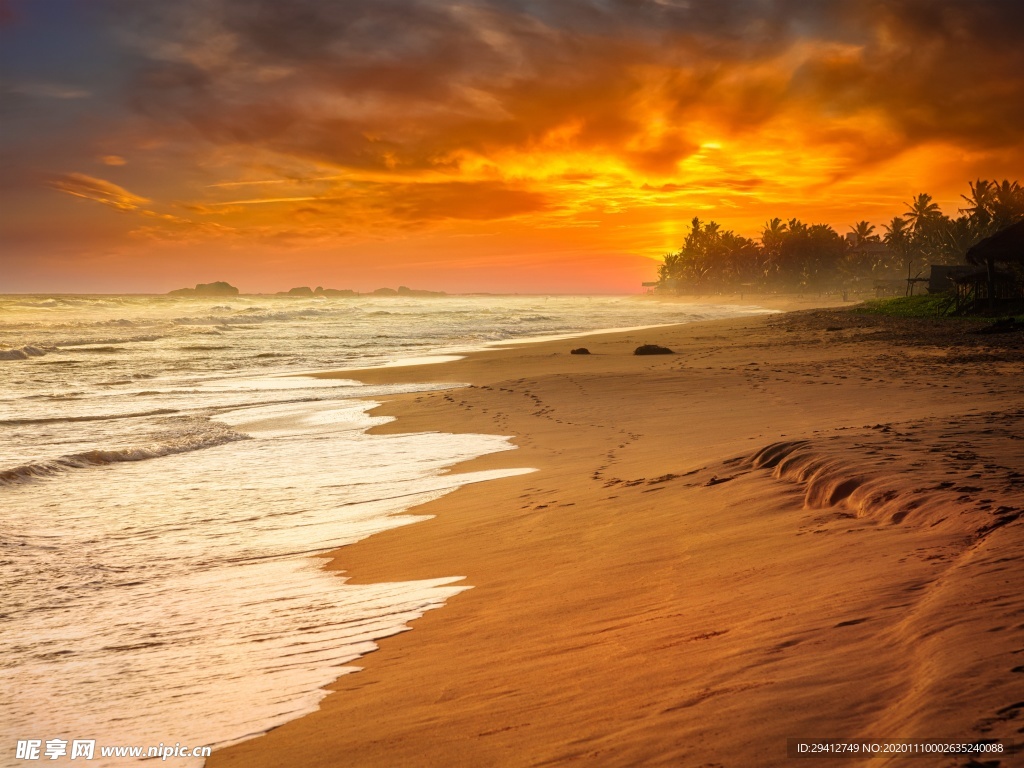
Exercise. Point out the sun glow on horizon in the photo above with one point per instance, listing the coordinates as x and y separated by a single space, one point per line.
495 129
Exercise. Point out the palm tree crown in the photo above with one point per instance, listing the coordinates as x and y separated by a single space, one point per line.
921 211
863 232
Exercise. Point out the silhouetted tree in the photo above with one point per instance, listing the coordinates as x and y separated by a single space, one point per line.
921 212
794 254
863 233
981 199
898 238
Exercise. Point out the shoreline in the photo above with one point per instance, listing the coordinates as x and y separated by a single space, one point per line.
637 601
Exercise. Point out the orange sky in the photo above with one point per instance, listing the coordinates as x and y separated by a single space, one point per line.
488 145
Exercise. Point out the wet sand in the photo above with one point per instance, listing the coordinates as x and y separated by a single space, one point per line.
802 525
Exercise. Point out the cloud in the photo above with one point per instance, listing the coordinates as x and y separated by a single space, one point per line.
263 201
415 86
105 192
461 200
7 13
370 205
418 114
50 90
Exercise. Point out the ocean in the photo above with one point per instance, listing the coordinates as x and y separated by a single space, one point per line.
166 474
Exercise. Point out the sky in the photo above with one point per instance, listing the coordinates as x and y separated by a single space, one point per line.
524 146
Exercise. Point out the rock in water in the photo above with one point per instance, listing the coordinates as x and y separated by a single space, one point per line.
219 288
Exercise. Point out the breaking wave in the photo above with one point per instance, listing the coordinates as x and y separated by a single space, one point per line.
189 433
22 353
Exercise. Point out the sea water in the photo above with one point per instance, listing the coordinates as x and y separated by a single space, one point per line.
165 477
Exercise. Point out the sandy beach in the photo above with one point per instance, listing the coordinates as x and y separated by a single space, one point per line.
798 525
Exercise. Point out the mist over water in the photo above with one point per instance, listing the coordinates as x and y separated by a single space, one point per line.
164 481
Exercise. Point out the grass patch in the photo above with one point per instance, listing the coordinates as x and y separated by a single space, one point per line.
925 305
931 305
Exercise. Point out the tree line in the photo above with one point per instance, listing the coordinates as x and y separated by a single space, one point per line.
792 254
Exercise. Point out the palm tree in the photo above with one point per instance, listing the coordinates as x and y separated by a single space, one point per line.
981 199
773 231
863 233
896 231
796 227
1007 204
958 236
773 234
772 237
921 212
897 237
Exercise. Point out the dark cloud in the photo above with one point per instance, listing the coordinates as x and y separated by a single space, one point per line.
8 15
937 70
407 84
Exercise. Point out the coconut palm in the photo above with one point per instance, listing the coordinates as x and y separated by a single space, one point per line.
863 233
981 199
773 231
958 236
897 237
1007 204
796 227
921 212
772 237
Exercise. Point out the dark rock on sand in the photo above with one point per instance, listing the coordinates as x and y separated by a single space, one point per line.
652 349
580 351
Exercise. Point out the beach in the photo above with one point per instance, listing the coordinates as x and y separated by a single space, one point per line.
192 589
802 525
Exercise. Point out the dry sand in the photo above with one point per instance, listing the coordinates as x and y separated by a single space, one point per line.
801 525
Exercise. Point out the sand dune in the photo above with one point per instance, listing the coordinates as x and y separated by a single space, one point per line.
803 525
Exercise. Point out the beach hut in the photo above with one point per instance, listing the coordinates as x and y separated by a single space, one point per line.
1002 256
942 277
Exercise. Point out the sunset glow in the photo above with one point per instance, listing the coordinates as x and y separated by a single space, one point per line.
497 145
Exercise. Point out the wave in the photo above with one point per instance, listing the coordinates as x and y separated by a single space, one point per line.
100 350
132 379
21 353
258 315
44 303
68 345
190 433
101 417
72 395
203 348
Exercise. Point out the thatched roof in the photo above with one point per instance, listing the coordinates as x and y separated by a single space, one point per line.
1005 245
